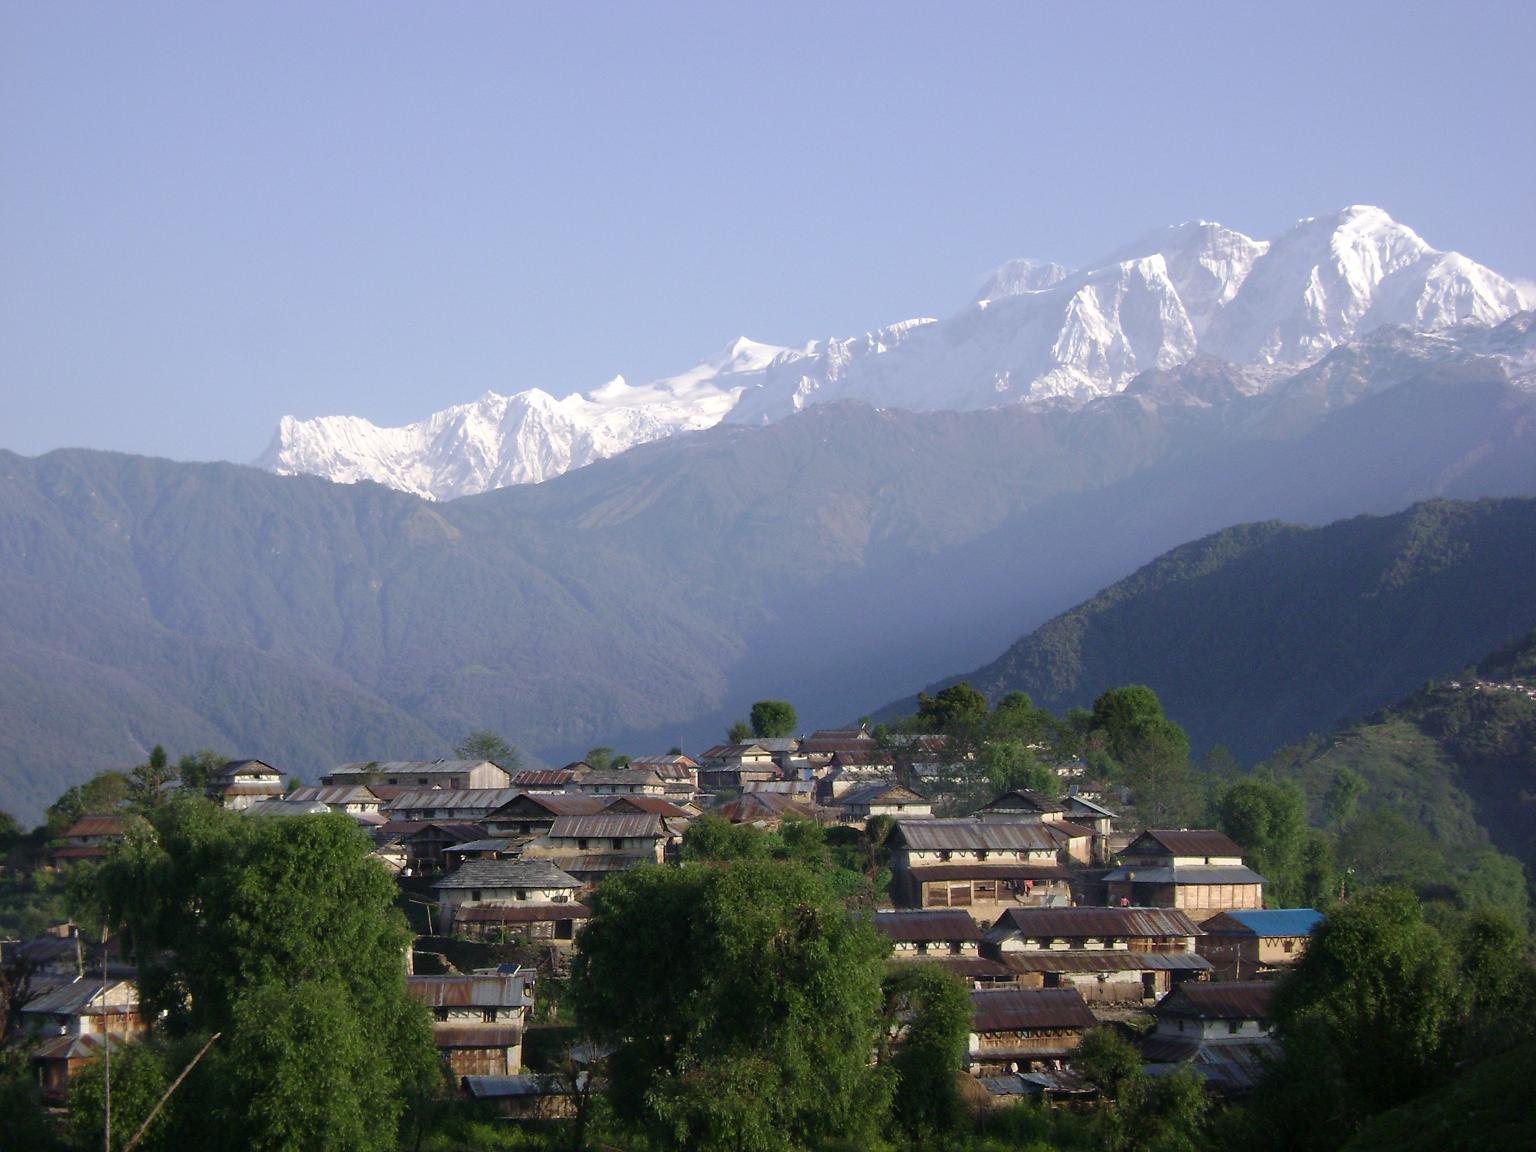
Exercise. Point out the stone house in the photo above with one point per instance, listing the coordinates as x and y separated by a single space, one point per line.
478 1021
984 868
240 783
1219 1031
530 899
1017 1029
1200 872
420 774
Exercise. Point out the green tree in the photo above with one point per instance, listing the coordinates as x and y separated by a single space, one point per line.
1343 796
738 733
194 768
147 780
1363 1019
600 758
1269 820
773 718
101 795
1009 764
958 710
1107 1060
282 935
927 1025
139 1078
743 1003
712 837
489 746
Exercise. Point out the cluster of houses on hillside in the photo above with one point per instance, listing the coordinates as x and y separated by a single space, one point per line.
1054 918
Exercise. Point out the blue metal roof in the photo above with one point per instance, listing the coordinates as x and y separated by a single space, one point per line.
1277 921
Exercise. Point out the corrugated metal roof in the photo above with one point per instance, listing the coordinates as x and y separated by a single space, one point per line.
614 825
1187 874
1096 809
94 826
515 1087
85 998
602 862
521 873
486 799
1023 800
972 835
73 1047
1186 842
421 767
477 991
543 778
753 806
985 870
1108 960
454 831
1221 1001
651 805
1078 923
287 808
335 794
476 1035
541 804
880 793
234 768
1265 922
621 778
1020 1009
522 913
926 927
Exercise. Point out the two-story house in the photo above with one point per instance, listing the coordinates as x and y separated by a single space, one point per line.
531 899
478 1021
1200 872
984 868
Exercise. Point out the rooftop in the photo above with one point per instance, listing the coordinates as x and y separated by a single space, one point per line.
508 874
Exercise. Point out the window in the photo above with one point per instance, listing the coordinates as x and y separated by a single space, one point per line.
617 842
1234 1026
582 844
522 893
474 893
954 947
1288 945
488 1015
946 854
440 1013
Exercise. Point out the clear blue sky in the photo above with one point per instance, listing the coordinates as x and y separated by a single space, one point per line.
214 214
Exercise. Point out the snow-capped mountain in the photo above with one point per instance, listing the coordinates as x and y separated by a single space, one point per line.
1037 332
518 439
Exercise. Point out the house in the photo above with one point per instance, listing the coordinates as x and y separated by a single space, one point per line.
543 779
1082 810
531 899
857 805
468 804
1023 805
1200 872
679 775
1253 942
820 746
1015 1029
421 774
651 805
527 1097
351 799
1110 955
238 784
425 843
70 1025
477 1021
734 765
533 813
985 868
764 809
591 847
285 807
944 936
622 782
1219 1031
88 838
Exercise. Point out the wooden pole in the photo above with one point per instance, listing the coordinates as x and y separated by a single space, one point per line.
175 1084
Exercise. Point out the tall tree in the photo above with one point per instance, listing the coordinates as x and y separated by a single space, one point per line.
1269 820
773 718
147 780
284 936
489 746
928 1021
739 732
743 1003
958 710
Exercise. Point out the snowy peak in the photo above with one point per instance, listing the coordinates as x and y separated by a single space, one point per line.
1037 332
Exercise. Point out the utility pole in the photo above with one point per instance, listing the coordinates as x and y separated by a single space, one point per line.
106 1047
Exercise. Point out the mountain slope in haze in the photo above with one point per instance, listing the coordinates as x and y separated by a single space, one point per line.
1262 633
1456 758
832 558
1038 333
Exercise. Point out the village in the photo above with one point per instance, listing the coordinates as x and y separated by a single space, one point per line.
1055 915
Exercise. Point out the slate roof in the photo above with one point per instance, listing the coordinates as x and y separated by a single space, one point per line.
280 807
1023 800
488 799
551 804
1018 1009
520 873
336 794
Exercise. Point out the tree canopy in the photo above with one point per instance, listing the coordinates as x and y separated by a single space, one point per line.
773 718
489 746
743 1002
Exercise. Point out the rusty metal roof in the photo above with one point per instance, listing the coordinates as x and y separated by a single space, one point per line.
540 804
1220 1001
985 870
522 913
753 806
543 778
1184 842
476 1035
1069 923
925 927
94 826
968 835
602 862
1108 960
615 825
1020 1009
475 991
651 805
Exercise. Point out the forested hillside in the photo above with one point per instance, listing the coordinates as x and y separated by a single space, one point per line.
1263 633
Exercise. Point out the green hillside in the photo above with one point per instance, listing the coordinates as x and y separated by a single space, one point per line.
1260 634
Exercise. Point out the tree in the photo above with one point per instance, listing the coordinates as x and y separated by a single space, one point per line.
489 746
1343 796
1363 1017
927 1025
712 837
600 758
738 733
147 780
773 718
195 767
1269 820
101 795
283 935
742 1001
1009 764
139 1078
957 710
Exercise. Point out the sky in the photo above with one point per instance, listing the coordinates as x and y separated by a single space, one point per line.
215 215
